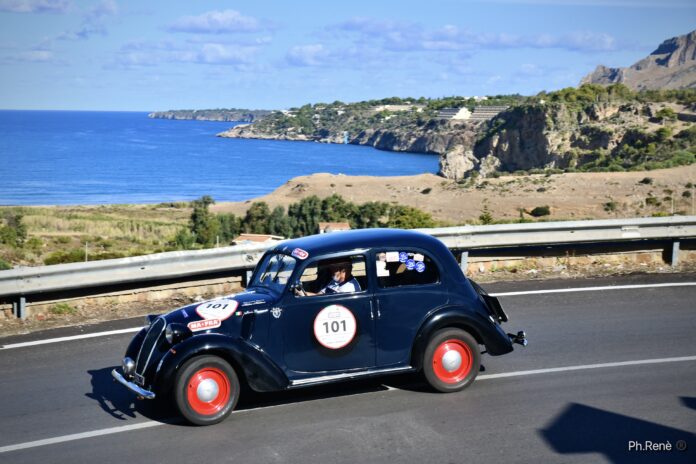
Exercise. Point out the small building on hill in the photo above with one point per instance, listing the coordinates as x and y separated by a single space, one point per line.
243 239
327 227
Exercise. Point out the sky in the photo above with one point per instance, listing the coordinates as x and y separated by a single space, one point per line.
119 55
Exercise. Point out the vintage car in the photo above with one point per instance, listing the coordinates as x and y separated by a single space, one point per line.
321 309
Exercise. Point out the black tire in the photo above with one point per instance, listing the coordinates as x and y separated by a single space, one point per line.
206 377
448 375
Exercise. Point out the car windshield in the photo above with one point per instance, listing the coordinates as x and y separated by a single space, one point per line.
274 271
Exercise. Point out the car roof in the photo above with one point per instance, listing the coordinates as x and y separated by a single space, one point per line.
334 242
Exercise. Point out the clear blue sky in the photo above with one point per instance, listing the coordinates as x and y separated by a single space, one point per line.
156 55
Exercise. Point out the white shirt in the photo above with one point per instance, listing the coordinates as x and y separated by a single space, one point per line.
349 286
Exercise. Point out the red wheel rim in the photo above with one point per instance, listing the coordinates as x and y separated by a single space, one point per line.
208 391
452 361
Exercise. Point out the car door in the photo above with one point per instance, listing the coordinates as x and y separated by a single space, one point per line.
330 332
408 285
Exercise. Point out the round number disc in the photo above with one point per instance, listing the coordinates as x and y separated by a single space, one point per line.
335 327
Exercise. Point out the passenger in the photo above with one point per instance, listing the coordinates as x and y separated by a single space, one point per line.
342 282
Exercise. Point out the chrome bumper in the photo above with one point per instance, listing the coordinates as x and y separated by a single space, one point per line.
148 395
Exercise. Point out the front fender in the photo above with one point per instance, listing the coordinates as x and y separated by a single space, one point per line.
484 331
135 344
260 372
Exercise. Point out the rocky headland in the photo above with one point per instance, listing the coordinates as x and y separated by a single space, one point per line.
223 115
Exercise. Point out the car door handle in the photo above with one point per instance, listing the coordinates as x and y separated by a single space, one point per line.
379 314
372 313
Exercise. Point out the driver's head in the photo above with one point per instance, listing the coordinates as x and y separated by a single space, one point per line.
341 271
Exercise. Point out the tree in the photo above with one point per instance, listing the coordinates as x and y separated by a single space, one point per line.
305 216
14 231
407 217
230 226
255 221
278 223
203 225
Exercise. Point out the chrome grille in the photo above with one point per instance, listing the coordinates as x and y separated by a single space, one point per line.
149 345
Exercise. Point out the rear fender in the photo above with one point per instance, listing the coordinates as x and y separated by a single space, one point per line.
486 333
257 369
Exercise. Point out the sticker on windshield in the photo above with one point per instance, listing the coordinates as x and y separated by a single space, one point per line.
335 327
410 264
403 256
217 309
420 266
299 253
392 256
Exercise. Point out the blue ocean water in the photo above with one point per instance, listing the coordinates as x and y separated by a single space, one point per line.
75 157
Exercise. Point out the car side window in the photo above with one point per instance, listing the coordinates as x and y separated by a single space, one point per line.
337 275
405 267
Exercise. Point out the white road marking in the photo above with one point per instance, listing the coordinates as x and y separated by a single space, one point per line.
595 289
79 436
65 339
584 367
530 292
149 424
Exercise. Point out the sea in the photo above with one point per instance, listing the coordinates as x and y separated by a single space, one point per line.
81 157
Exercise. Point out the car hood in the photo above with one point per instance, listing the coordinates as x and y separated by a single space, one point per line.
219 311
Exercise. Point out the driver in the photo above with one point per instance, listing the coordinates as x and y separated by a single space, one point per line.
342 281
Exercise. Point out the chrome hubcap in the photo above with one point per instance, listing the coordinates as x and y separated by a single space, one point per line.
451 361
207 390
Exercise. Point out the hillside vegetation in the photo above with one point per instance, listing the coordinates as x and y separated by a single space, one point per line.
590 128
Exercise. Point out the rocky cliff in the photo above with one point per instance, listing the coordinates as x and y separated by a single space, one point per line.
224 115
434 136
608 136
671 66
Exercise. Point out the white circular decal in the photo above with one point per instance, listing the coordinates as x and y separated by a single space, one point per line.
217 309
334 327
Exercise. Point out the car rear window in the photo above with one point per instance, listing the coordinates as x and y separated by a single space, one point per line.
405 267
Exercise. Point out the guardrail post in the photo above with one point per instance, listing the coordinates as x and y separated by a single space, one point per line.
675 254
19 307
464 261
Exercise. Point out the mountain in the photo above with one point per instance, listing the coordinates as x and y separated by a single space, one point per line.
671 66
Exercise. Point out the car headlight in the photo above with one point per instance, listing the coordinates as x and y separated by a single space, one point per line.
174 333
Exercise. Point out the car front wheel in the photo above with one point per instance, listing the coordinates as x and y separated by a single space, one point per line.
206 390
451 360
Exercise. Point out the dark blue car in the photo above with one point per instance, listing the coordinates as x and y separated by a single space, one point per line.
321 309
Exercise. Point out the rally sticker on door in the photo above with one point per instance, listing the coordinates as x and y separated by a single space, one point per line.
217 309
335 327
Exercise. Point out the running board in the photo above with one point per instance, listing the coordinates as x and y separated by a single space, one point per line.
347 376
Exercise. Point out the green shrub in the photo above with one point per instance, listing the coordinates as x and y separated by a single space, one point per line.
62 309
4 265
610 206
540 211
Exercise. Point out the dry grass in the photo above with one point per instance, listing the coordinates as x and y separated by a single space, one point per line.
123 229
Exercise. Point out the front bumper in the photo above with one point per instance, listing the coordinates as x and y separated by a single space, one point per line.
148 395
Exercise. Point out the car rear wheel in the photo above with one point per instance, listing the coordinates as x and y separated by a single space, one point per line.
451 360
206 390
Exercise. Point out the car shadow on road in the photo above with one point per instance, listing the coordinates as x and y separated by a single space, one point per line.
581 429
118 402
122 404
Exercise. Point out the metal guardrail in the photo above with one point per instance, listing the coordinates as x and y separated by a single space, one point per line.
19 283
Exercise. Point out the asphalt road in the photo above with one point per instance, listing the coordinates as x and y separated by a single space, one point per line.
591 412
